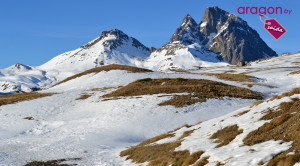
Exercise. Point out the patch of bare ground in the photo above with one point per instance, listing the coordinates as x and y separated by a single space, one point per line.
106 68
285 126
83 96
179 71
105 88
58 162
162 154
295 72
252 84
29 118
91 92
226 135
233 77
229 71
14 98
294 91
157 138
199 90
257 103
203 161
241 113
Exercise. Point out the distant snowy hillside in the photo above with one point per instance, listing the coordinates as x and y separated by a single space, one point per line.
23 78
174 56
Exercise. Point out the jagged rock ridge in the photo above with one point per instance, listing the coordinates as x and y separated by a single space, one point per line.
225 34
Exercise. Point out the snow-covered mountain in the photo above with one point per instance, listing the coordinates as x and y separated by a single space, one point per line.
184 51
111 47
220 37
23 78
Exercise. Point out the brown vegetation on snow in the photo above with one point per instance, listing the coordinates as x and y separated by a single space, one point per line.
106 68
14 98
226 135
51 162
198 90
163 154
233 77
284 125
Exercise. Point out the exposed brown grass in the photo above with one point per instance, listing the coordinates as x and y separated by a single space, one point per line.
226 135
295 72
52 162
29 118
91 92
199 90
203 161
285 125
220 164
270 114
84 96
14 98
252 84
241 113
294 91
162 154
186 134
179 71
233 77
257 103
104 88
157 138
106 68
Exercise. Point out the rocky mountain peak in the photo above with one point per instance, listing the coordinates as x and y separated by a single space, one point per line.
20 67
113 38
213 20
120 35
232 37
188 32
188 22
225 34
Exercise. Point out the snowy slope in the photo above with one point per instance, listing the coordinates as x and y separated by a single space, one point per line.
178 56
97 130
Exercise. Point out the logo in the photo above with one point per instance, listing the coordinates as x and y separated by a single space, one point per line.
273 27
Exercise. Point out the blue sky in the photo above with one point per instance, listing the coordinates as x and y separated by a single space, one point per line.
34 31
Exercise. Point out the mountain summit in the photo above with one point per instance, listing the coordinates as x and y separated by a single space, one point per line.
230 36
219 38
112 46
188 32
